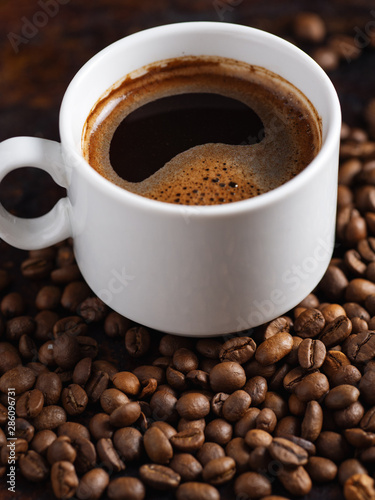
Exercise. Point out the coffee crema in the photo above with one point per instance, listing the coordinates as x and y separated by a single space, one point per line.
201 131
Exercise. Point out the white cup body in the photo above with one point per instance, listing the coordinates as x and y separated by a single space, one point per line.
205 270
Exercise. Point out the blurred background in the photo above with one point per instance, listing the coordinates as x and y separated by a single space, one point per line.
43 43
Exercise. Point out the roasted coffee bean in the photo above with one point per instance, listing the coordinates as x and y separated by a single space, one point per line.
170 343
253 368
358 290
12 304
256 387
193 406
236 405
311 354
239 451
50 385
287 452
238 349
219 470
74 399
116 325
258 437
309 26
332 311
33 466
334 361
159 477
252 485
8 454
266 420
313 421
332 445
198 378
349 416
42 440
9 357
309 324
74 430
341 397
20 378
336 332
73 326
23 429
100 427
219 431
158 446
189 440
312 386
49 418
36 268
64 479
137 341
44 321
66 351
163 406
197 491
349 468
30 404
358 487
227 377
61 449
92 310
187 466
303 443
184 360
82 371
360 348
368 421
210 348
296 481
96 385
274 348
321 470
66 274
48 297
125 415
108 455
166 428
74 294
347 374
21 325
126 488
86 455
127 382
93 484
209 451
27 347
247 422
359 438
176 379
111 399
288 425
129 443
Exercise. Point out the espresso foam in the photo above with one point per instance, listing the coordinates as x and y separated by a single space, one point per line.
212 173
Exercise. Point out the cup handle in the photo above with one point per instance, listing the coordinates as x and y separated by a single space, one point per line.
40 232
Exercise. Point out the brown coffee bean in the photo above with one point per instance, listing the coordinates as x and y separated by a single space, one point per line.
258 437
74 430
137 341
96 385
157 445
210 348
166 428
350 416
8 454
21 325
359 438
253 368
288 425
48 297
193 406
33 466
347 374
92 310
309 324
9 357
159 477
74 399
129 443
66 274
266 420
312 386
126 488
238 349
239 451
44 321
252 485
74 294
336 331
20 378
247 422
86 455
309 26
368 421
334 361
108 455
313 421
189 440
197 491
358 289
257 388
187 466
219 470
111 399
24 429
49 418
274 348
236 405
170 343
127 382
50 385
66 352
321 470
125 415
42 440
64 479
82 371
198 378
116 325
27 347
227 377
358 487
296 481
61 449
360 348
287 452
209 451
163 406
36 268
30 404
349 468
73 326
184 360
92 484
332 445
176 379
341 397
311 354
100 427
303 443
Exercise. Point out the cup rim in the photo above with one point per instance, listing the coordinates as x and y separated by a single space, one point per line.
198 211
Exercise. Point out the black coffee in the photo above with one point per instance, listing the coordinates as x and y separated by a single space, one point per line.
201 131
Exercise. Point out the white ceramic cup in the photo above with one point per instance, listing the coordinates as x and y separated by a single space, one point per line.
199 271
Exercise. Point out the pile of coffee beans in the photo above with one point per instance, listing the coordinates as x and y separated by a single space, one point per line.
98 407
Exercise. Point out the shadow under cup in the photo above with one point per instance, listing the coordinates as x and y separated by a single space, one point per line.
202 270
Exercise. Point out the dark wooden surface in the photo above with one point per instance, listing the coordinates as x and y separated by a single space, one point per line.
37 63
